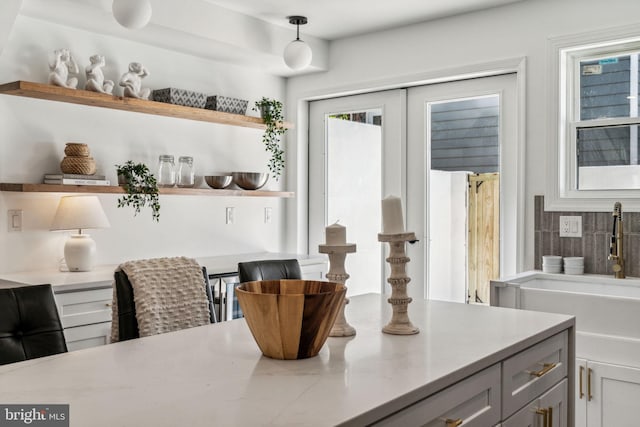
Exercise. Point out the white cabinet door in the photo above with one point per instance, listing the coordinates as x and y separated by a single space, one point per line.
581 395
615 398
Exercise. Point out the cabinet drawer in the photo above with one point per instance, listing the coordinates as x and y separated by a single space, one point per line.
475 401
529 373
84 307
87 336
550 410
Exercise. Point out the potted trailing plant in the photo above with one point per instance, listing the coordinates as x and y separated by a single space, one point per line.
271 112
141 187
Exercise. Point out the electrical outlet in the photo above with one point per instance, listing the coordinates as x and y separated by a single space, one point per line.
230 215
267 215
570 226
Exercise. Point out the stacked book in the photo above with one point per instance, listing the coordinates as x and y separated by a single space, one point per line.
75 179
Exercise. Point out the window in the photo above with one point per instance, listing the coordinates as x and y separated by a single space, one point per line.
593 153
604 119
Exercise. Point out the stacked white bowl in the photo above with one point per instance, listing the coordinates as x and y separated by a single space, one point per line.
552 264
574 265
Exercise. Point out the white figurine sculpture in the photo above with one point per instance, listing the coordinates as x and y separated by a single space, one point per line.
131 81
95 76
63 64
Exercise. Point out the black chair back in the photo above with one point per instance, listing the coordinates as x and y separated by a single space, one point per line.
127 321
275 269
29 324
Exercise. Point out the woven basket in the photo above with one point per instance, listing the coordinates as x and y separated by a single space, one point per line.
78 165
76 149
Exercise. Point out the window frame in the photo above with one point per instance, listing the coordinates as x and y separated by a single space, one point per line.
565 54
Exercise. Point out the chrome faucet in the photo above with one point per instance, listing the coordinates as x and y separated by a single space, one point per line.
616 249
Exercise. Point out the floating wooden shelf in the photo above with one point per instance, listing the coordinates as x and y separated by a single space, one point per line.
85 97
113 189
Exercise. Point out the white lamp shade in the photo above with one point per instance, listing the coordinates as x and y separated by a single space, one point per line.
132 14
78 212
297 55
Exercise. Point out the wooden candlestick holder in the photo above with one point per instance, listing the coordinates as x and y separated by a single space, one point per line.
337 255
399 300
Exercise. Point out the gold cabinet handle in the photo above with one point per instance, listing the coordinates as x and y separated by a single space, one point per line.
546 367
589 396
550 416
453 423
545 417
580 381
108 304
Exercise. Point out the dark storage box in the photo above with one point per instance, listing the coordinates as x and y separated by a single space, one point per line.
226 104
187 98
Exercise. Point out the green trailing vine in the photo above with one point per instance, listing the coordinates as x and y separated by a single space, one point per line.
271 112
141 187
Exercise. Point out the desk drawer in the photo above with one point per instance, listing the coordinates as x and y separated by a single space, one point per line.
84 307
474 401
531 372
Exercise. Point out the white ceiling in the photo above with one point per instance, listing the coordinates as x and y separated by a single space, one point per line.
251 33
334 19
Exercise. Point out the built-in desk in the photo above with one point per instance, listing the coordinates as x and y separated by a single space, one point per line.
84 298
215 375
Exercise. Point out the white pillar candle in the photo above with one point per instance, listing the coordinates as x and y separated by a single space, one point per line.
392 217
335 234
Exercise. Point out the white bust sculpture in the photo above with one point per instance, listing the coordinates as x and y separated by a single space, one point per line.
63 64
131 81
95 76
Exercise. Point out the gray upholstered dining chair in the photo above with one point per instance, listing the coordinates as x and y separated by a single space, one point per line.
30 326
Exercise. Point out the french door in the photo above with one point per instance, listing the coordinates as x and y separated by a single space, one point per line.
457 131
356 158
365 147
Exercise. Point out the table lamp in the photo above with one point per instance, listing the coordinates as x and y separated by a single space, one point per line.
79 212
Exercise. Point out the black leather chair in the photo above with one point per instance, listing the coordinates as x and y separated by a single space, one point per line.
127 321
269 270
29 324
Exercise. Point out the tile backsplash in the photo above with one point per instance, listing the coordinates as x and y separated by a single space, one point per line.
594 243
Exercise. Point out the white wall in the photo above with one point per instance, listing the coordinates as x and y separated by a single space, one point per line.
33 134
463 43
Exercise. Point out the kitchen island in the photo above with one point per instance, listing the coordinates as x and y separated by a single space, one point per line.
490 364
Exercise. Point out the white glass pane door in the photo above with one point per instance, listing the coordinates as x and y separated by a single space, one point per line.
463 182
360 140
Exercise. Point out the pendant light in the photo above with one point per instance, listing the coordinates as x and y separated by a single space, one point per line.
132 14
297 54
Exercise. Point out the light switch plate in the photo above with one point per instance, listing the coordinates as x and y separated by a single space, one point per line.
229 215
14 217
571 226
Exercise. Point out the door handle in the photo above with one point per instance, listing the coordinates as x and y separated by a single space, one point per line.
580 381
545 417
589 395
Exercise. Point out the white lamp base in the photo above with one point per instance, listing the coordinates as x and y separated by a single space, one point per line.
79 252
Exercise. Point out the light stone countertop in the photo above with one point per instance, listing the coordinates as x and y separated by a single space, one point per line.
215 375
102 275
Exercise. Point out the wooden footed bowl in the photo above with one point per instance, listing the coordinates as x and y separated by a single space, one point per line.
290 319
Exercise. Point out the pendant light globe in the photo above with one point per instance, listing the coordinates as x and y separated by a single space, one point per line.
133 14
297 55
